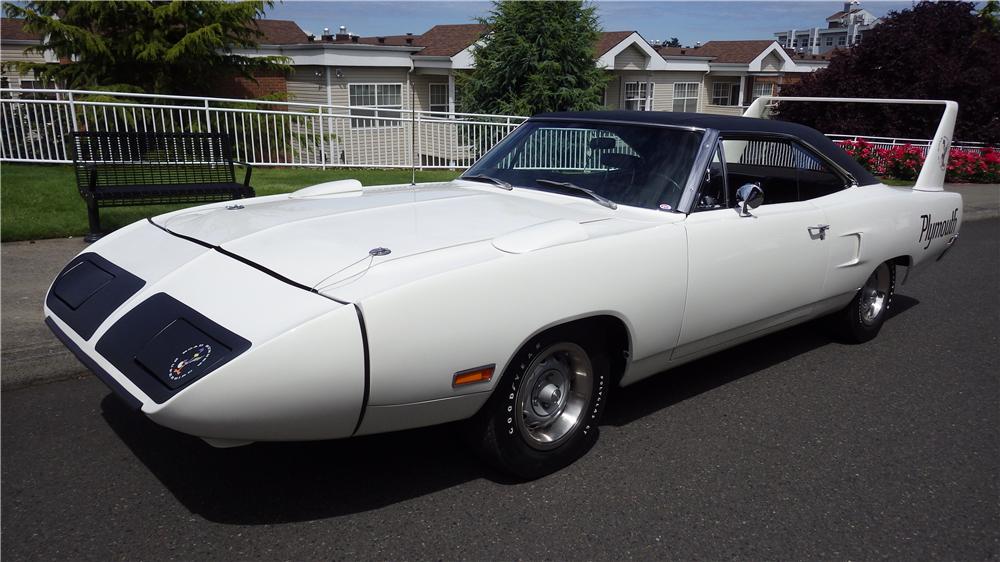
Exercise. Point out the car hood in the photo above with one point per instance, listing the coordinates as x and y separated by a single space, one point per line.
315 240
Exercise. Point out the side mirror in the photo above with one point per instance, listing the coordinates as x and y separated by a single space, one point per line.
749 196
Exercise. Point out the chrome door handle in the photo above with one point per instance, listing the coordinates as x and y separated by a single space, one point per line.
820 230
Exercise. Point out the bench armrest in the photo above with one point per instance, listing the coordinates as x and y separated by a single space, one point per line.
246 177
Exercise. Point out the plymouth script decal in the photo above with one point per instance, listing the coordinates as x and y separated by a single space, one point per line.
930 230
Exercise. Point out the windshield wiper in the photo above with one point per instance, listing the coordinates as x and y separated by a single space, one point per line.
600 199
488 179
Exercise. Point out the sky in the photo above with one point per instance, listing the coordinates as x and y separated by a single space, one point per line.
690 22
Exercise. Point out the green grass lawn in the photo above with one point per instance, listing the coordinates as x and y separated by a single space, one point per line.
41 201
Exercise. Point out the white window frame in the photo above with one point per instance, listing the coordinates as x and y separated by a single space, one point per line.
842 41
370 120
687 98
644 101
430 98
829 40
757 90
725 92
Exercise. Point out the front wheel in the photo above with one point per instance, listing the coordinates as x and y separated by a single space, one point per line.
862 319
543 415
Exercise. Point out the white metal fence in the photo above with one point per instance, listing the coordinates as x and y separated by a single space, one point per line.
35 124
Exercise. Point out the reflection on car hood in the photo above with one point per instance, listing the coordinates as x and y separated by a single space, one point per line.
310 240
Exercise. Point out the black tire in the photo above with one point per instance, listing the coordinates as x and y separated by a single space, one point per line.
502 433
861 320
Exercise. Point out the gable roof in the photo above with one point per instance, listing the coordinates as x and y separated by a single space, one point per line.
280 32
449 40
12 29
732 52
681 52
608 39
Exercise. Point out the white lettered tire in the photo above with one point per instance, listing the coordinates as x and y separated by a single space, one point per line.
545 411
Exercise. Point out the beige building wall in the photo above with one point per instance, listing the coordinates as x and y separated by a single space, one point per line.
307 84
706 96
631 58
663 92
11 53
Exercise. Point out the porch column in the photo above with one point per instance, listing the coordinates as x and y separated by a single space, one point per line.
743 90
451 94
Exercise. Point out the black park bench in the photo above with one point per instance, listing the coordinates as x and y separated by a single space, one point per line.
144 168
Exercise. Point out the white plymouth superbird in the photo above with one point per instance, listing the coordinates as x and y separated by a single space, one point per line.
585 250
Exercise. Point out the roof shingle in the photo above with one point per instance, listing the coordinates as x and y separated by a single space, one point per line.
280 32
12 29
449 40
609 39
732 52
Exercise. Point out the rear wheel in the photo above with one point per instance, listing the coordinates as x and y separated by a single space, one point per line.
862 319
544 412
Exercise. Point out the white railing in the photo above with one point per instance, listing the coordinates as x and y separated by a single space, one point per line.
35 124
922 144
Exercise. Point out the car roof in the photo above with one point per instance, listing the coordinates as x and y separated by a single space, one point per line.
726 124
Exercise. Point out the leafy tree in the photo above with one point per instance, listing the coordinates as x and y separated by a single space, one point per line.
155 46
931 51
537 56
674 42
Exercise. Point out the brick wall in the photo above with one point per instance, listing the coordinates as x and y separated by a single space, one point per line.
267 83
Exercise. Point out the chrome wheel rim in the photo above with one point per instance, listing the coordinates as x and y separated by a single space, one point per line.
552 399
875 295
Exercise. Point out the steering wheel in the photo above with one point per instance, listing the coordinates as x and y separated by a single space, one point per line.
671 191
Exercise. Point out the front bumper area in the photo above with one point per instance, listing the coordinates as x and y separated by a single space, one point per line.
284 363
91 365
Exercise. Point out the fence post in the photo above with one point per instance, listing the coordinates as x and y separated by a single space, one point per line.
322 140
72 113
208 117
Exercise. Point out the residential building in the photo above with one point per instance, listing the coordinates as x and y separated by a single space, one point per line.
381 75
843 29
14 44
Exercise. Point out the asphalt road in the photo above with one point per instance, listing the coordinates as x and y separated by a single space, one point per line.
791 447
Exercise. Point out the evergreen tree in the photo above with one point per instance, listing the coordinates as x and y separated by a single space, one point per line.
155 46
536 57
932 51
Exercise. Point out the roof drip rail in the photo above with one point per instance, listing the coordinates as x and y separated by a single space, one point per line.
935 167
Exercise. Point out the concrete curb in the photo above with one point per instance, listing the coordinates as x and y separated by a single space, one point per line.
30 354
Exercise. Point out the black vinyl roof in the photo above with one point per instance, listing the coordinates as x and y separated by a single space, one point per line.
727 124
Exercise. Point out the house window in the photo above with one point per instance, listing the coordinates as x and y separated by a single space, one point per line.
764 89
726 93
438 98
686 96
638 96
378 100
829 40
842 40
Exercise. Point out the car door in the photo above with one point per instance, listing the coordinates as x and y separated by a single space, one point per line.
751 273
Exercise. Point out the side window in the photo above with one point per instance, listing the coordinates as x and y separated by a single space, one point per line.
713 193
786 172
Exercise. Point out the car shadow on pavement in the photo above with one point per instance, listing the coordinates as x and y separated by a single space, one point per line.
665 389
267 483
270 483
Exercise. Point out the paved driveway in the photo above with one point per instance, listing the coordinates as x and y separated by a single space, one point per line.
789 447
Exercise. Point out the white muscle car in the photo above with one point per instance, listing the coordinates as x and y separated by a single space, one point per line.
585 250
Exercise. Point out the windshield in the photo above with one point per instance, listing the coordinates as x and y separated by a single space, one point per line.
628 164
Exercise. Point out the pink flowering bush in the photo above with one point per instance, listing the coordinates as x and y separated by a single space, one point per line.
904 162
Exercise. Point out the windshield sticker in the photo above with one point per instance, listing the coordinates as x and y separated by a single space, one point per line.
930 230
665 207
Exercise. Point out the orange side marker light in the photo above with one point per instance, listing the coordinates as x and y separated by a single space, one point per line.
471 376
